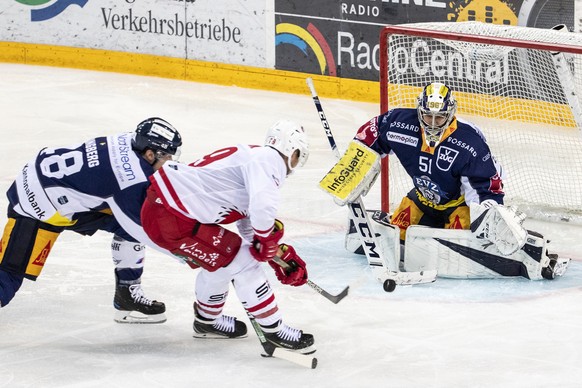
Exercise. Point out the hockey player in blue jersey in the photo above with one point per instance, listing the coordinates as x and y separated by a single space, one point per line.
97 185
458 185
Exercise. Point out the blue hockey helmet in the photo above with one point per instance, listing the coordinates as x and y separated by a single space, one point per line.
436 109
157 135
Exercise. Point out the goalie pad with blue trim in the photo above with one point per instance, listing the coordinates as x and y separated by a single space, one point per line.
459 254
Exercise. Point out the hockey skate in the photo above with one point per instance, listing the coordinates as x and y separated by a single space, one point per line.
557 267
282 336
132 306
223 327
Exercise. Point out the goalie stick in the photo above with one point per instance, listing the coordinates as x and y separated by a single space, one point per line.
271 350
376 259
333 298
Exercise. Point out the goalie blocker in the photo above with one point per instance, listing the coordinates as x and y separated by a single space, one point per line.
353 174
459 254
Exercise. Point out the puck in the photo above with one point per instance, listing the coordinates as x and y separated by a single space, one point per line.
389 285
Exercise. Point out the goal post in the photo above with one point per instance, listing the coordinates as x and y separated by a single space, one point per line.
521 86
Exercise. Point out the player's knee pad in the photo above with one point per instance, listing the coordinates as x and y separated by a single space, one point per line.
25 246
9 285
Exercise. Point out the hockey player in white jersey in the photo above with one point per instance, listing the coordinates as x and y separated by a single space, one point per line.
96 185
458 185
186 207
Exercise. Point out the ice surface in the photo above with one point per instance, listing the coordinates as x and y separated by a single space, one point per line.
59 331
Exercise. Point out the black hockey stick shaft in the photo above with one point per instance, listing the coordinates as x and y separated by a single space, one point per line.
267 346
333 298
323 119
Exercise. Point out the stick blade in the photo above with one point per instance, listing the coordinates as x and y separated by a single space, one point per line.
305 360
337 298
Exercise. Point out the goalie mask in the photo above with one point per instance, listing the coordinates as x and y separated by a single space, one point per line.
159 136
286 136
436 110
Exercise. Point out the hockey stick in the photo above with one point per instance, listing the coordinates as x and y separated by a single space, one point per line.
273 351
333 298
385 269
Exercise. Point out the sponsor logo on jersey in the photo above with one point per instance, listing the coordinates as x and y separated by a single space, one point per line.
463 145
402 139
445 158
30 194
405 126
124 149
63 200
125 162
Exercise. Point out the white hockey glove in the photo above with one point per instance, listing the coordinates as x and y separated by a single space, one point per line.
499 224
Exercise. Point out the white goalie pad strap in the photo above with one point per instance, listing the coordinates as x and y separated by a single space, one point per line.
499 224
459 254
353 174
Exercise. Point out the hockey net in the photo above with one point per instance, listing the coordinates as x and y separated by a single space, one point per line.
519 85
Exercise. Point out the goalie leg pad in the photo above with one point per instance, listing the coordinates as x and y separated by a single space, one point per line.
353 174
387 237
459 254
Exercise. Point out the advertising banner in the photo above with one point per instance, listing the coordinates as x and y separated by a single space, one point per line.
225 32
341 38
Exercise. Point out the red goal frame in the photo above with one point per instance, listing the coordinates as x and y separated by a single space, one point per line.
385 34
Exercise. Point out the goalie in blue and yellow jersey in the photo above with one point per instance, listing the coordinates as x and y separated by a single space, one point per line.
458 184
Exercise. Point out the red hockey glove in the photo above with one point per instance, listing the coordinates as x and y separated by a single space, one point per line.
265 248
296 272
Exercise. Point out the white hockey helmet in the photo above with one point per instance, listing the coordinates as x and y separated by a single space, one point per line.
436 102
287 136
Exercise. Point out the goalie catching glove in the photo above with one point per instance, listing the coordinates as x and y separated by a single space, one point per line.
499 224
295 272
265 248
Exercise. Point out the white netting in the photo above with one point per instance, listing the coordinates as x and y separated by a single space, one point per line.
526 101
